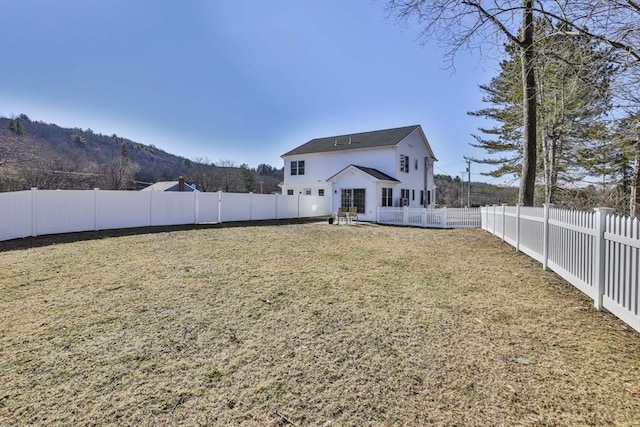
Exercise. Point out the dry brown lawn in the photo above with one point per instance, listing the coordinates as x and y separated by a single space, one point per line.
306 325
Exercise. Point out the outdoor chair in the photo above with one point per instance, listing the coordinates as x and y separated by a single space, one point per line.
342 213
353 214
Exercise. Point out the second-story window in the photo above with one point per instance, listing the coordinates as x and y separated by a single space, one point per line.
297 167
404 163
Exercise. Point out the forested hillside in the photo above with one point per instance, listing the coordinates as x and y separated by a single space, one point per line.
454 192
46 156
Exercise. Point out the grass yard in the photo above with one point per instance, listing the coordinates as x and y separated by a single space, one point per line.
305 325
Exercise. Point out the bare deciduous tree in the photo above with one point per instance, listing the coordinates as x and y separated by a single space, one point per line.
471 23
464 23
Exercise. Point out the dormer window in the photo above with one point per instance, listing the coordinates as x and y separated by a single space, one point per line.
297 167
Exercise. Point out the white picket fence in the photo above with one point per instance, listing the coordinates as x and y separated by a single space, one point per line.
432 218
38 212
597 252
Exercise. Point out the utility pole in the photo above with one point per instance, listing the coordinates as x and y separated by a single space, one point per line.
469 183
461 189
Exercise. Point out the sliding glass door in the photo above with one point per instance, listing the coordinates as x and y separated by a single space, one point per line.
353 197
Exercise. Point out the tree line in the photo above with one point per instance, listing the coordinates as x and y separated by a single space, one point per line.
564 107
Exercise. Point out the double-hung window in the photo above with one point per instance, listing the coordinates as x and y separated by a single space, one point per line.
297 167
404 163
387 197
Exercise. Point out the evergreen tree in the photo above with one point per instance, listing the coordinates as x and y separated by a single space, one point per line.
573 97
246 176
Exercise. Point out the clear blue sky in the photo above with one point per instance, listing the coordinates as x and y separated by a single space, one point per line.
244 81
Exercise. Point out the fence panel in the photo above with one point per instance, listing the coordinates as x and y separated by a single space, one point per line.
510 224
57 211
208 207
287 206
532 232
463 218
15 214
172 208
571 245
414 217
122 209
235 207
433 218
263 206
314 206
622 255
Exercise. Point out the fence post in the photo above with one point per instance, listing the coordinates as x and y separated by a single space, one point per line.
518 206
504 221
196 207
219 206
250 205
444 217
95 209
545 242
34 217
151 208
494 220
405 215
599 255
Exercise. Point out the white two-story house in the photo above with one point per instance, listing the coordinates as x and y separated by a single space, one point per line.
392 167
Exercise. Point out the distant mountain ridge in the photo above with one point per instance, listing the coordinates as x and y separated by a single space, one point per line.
47 156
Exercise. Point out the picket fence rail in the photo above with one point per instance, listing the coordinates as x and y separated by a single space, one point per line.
38 212
597 252
432 218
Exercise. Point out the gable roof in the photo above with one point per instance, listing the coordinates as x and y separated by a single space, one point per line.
168 186
369 171
377 138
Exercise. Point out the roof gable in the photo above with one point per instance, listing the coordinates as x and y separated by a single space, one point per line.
375 173
378 138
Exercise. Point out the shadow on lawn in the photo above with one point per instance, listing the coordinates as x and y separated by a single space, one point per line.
56 239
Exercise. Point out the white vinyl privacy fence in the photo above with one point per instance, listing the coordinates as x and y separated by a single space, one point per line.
432 218
597 252
38 212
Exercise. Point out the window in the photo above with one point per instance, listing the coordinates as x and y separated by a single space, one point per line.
413 194
321 192
429 197
404 163
307 191
387 197
353 197
289 192
404 196
297 167
421 197
415 162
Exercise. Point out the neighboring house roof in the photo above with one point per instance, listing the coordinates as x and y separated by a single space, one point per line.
168 186
369 171
378 138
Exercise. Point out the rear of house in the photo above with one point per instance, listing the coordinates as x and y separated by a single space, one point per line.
392 167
